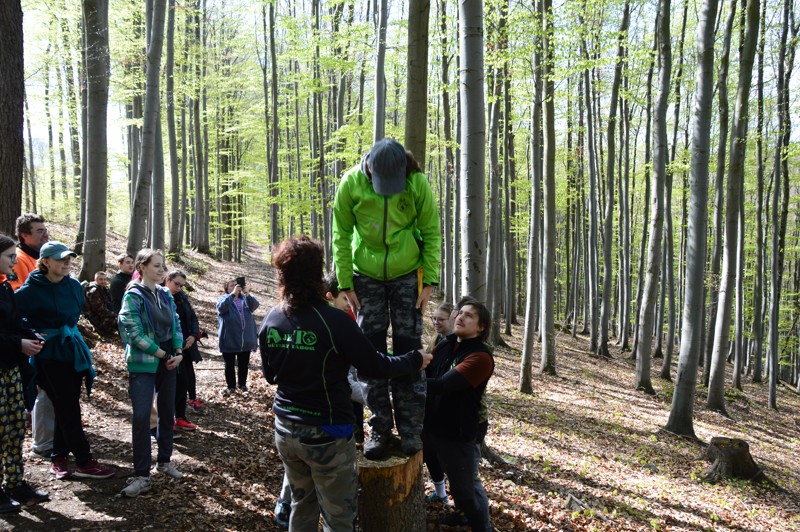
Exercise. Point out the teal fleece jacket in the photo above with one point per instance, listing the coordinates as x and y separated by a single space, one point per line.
53 310
137 330
385 237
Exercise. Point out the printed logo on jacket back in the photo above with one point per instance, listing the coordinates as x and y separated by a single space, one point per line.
297 339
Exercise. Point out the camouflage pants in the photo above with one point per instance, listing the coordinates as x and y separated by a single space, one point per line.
12 428
382 303
322 476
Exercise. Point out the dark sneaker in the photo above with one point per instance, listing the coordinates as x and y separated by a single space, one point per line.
7 505
243 388
282 512
26 495
456 518
228 392
60 467
94 469
376 446
411 446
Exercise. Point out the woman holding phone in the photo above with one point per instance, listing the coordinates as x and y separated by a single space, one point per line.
237 332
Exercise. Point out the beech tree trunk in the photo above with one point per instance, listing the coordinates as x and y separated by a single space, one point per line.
416 119
682 410
647 310
473 150
95 15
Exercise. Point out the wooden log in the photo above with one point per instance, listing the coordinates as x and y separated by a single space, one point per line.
730 458
391 494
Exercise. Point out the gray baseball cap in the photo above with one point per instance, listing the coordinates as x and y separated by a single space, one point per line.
387 164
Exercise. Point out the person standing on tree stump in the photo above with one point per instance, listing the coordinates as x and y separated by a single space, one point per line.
387 253
307 348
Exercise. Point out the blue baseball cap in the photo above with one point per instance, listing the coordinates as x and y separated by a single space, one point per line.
55 250
387 164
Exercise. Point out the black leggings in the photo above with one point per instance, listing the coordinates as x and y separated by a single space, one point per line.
184 382
232 360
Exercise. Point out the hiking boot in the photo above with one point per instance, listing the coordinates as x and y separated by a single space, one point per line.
94 469
169 469
184 425
282 512
411 445
60 467
137 486
7 505
456 518
376 446
26 495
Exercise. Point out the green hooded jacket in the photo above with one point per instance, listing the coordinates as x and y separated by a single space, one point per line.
385 237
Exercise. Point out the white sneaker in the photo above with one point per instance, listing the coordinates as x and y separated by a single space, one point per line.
137 486
169 470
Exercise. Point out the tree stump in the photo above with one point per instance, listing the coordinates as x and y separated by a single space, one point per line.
391 494
730 458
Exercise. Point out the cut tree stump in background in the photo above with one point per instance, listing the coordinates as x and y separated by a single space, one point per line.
391 494
730 458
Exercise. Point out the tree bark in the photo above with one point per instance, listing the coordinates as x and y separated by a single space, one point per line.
473 150
716 385
682 410
391 494
379 126
95 14
12 95
416 119
140 209
647 310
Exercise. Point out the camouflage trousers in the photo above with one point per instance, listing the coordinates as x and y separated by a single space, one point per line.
12 427
384 303
322 476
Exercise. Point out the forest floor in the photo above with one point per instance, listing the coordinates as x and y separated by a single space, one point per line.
585 433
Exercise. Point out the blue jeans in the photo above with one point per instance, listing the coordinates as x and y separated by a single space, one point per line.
141 387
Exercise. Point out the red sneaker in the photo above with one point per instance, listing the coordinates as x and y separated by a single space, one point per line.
184 425
60 467
94 469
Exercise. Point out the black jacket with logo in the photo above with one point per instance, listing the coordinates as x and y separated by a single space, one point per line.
308 354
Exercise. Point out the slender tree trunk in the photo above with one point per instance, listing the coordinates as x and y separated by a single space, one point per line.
548 358
647 310
449 289
416 130
719 184
608 222
95 15
681 413
760 273
175 207
716 385
473 150
379 127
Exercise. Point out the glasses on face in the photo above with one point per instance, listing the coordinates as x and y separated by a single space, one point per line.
436 320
